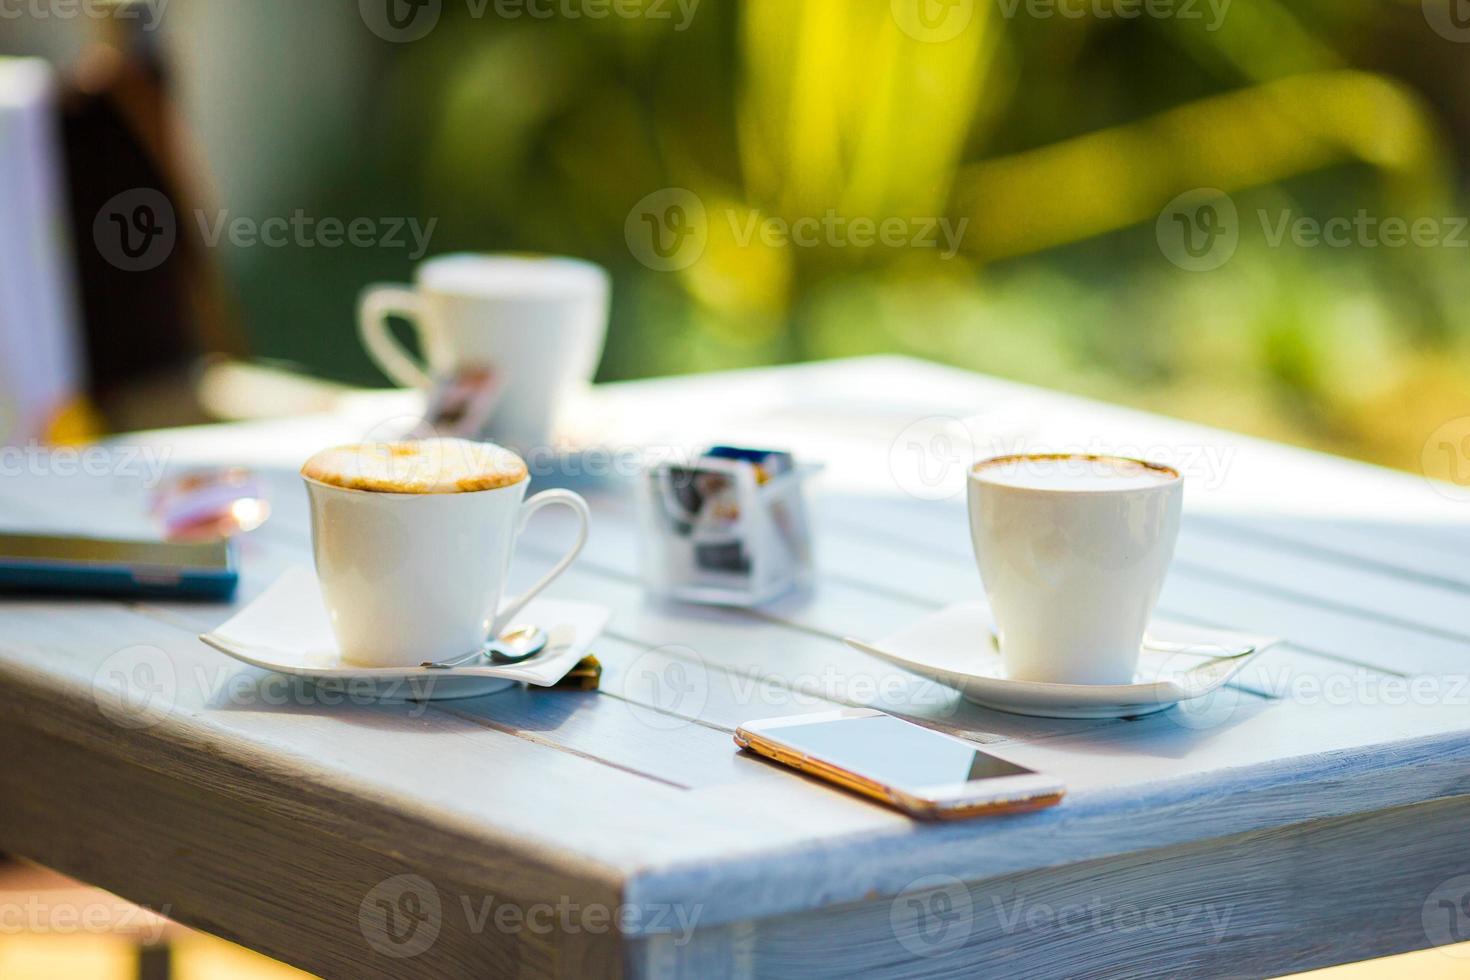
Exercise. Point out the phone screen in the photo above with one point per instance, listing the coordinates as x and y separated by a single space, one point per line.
893 752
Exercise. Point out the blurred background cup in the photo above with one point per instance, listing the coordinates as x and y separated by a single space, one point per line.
537 323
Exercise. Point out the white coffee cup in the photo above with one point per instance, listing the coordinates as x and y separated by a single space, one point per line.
1073 551
538 322
415 577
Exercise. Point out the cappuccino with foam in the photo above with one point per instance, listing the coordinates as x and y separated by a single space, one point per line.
419 466
1073 474
413 569
1072 551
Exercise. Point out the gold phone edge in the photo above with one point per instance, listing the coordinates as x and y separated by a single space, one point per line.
914 806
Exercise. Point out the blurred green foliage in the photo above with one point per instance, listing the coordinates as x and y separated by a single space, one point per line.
1058 140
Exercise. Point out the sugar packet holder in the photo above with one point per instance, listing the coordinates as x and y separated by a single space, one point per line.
729 528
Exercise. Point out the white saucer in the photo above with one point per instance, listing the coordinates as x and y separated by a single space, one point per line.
955 647
286 630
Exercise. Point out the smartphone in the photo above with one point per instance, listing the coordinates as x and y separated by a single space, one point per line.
57 564
926 774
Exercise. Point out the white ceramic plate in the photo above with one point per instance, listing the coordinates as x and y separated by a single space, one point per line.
286 630
955 647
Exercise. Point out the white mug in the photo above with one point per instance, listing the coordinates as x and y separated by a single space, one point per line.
538 322
410 578
1073 562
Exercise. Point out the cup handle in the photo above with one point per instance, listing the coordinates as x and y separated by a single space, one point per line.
546 498
377 304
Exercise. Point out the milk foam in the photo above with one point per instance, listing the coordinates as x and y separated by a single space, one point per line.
421 466
1072 473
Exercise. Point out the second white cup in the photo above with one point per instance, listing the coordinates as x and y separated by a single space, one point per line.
1073 551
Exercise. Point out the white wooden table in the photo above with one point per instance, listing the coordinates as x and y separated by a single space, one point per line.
1314 813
